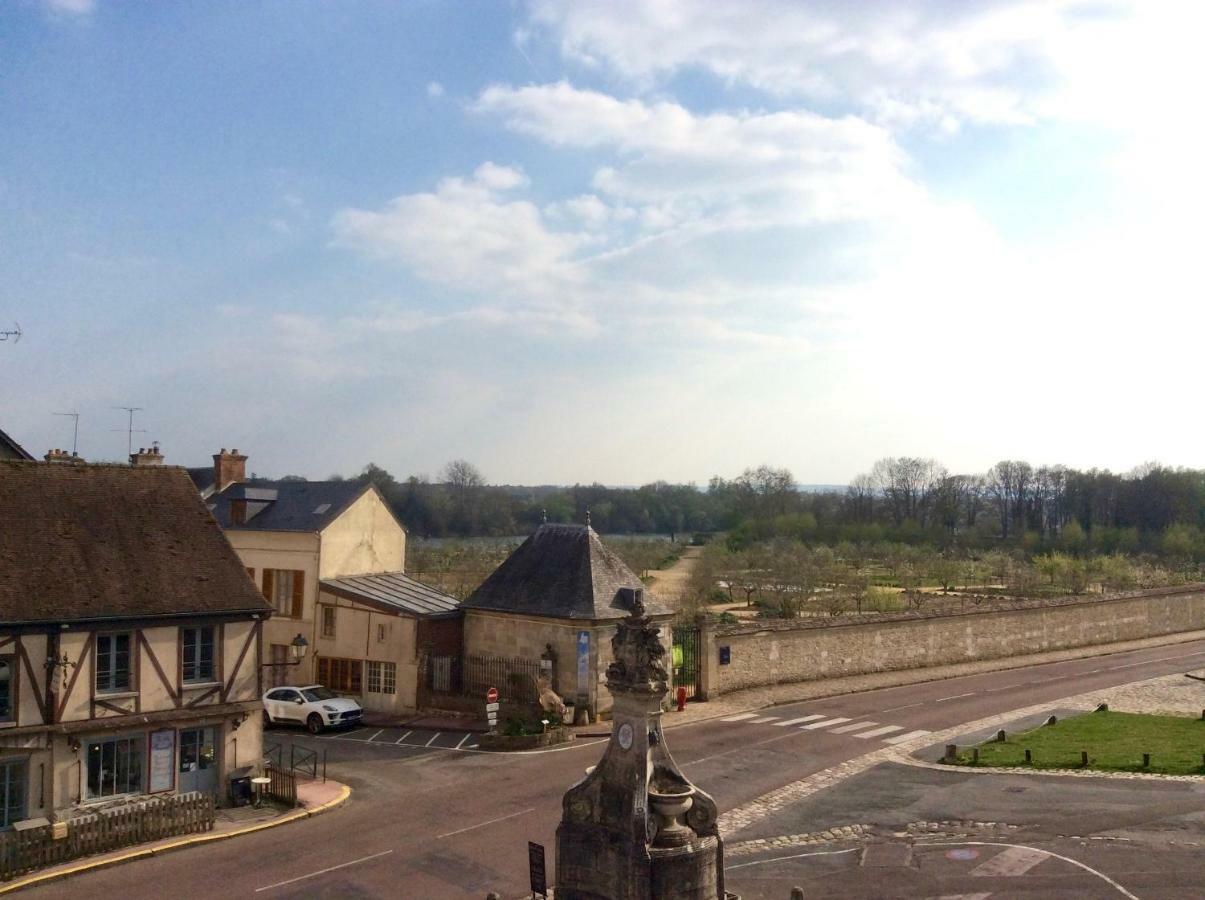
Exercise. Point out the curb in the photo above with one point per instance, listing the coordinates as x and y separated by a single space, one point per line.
147 852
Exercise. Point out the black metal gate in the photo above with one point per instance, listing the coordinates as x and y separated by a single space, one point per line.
688 669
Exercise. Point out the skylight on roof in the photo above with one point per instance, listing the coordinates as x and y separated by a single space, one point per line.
319 510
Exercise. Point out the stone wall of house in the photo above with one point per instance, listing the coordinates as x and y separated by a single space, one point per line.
805 650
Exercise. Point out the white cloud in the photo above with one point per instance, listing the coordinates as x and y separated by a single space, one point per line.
435 89
70 7
936 62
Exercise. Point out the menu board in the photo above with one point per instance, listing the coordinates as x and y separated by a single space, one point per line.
163 760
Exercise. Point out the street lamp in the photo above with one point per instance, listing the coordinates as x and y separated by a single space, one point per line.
297 647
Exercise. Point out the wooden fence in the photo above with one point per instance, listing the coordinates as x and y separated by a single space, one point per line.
33 846
283 786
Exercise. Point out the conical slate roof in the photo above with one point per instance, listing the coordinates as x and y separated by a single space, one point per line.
564 572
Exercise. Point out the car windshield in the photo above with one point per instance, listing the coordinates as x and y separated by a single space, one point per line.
318 693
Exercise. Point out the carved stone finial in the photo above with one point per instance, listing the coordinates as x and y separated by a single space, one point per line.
638 656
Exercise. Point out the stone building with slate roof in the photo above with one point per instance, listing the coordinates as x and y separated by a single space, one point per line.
130 641
563 588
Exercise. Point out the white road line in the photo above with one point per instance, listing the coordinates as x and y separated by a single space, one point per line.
377 735
403 737
472 746
269 887
1010 863
463 739
905 706
836 721
1067 859
760 720
955 697
349 734
877 732
797 721
900 738
738 718
483 824
759 862
432 741
854 727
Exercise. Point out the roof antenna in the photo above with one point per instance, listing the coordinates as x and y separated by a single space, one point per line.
129 429
74 433
15 334
587 517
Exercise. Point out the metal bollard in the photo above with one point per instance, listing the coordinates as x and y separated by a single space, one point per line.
1083 758
951 753
1000 736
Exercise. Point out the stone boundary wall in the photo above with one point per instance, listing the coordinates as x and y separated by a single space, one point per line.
806 650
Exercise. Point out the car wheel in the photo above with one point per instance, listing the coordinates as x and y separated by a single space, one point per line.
314 723
267 719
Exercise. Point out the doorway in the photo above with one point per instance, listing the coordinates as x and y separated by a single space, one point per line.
198 760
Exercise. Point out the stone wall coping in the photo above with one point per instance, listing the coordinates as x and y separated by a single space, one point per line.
556 620
985 607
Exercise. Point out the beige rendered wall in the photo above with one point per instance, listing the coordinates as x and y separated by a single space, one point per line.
357 631
366 538
780 654
504 634
298 550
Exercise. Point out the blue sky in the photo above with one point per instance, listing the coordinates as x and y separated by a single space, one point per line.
615 242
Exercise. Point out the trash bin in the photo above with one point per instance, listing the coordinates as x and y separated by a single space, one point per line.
240 790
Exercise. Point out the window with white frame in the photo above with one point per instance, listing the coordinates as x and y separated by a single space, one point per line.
115 766
382 678
12 791
197 654
112 663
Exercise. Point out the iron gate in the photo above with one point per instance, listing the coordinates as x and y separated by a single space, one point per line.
686 651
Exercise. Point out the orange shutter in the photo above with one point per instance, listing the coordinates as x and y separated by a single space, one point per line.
268 573
298 593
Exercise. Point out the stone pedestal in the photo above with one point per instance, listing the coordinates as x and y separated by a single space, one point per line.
635 828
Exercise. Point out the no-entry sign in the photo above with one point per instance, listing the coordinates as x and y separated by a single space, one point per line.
491 696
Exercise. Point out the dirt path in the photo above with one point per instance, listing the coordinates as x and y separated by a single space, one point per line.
670 584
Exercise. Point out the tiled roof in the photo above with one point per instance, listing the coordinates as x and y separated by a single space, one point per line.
286 505
563 571
85 542
394 589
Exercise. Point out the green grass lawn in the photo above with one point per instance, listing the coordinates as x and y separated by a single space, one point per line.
1115 743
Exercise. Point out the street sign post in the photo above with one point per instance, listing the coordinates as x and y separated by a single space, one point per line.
535 865
491 707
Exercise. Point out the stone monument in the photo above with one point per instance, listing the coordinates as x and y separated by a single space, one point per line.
635 828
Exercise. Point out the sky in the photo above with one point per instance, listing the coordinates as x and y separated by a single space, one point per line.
612 241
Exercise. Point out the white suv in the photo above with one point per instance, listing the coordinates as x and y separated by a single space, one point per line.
313 706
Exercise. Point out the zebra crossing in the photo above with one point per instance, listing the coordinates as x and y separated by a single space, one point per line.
864 729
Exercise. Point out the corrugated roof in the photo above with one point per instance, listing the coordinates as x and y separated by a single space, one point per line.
86 542
286 505
394 589
563 571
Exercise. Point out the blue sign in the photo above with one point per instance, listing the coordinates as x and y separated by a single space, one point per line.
725 655
583 663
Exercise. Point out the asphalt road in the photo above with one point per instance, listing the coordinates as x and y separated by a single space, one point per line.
450 821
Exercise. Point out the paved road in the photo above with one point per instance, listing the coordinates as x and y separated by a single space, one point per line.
438 821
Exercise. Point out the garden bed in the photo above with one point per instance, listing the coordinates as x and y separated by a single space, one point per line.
1114 742
511 742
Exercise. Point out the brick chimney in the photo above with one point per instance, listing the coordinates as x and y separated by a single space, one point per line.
228 468
147 456
62 456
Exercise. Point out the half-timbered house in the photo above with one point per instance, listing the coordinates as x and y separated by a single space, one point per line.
130 641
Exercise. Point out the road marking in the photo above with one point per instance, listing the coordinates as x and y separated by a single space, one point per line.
403 737
836 721
905 706
760 720
472 746
738 718
349 734
955 697
964 897
759 862
269 887
377 735
462 740
854 727
1010 863
483 824
1067 859
797 721
432 741
877 732
900 738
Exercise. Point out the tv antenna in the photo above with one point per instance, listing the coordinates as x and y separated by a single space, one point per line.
15 334
130 430
74 431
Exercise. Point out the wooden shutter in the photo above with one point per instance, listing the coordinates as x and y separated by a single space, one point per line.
268 578
298 593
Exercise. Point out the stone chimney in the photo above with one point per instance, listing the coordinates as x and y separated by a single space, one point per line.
228 468
147 456
62 456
